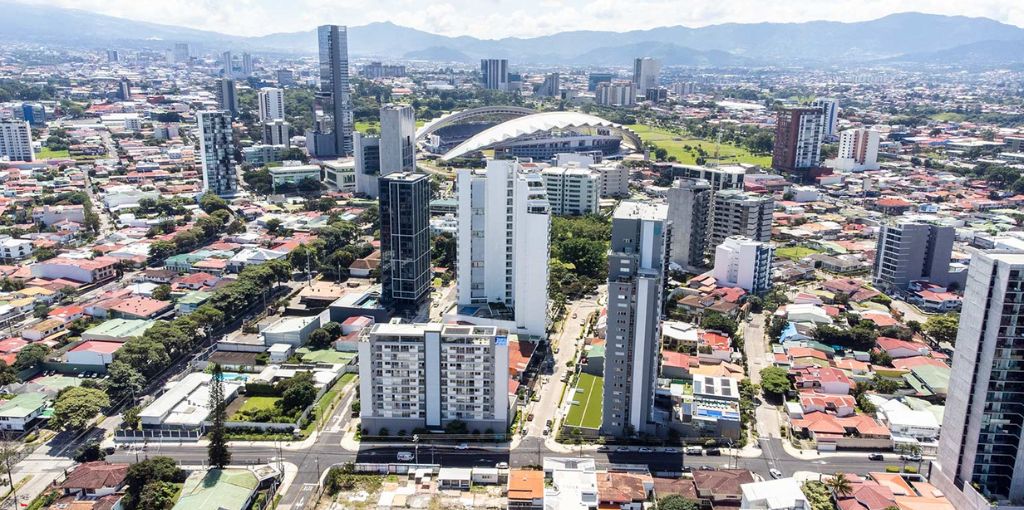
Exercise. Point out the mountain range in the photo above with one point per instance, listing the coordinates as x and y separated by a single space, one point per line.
904 37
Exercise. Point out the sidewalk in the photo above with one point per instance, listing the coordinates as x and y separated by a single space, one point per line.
798 453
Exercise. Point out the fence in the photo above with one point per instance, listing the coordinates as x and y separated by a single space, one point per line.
156 435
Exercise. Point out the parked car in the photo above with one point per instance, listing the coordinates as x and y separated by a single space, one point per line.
912 457
603 448
645 450
712 451
876 456
670 450
775 473
405 456
501 465
462 446
693 450
622 449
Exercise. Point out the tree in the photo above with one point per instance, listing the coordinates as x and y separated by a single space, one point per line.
298 396
90 452
130 418
7 374
157 495
141 474
886 385
718 322
211 202
775 380
160 250
677 502
943 328
76 406
776 326
319 339
162 292
333 329
456 427
218 449
817 495
839 485
125 381
30 356
273 225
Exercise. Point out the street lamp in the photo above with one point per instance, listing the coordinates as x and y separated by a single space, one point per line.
416 447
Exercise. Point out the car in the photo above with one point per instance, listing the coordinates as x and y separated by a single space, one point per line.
405 456
776 474
876 456
712 451
462 446
622 449
548 423
645 450
670 450
501 465
912 457
694 450
603 448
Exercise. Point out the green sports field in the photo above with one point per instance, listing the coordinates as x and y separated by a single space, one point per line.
589 398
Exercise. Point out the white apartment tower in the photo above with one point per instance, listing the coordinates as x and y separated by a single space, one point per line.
271 104
217 149
737 213
830 111
572 191
16 140
645 73
744 263
858 151
979 459
616 93
428 375
397 139
504 221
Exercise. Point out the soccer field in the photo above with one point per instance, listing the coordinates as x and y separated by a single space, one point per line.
589 398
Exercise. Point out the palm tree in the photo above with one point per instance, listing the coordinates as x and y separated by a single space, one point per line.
839 485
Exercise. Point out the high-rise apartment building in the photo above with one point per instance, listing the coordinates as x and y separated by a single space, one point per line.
551 86
689 204
404 237
798 135
744 263
375 70
736 213
182 53
16 140
616 93
333 133
271 102
246 65
227 96
719 177
614 179
366 151
858 151
415 376
124 89
494 74
397 139
284 77
113 56
593 79
217 150
912 250
504 222
636 271
277 132
645 73
572 191
228 63
830 112
979 457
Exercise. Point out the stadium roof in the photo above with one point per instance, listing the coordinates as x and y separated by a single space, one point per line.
537 123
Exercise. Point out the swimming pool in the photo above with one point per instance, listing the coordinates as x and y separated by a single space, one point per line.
234 376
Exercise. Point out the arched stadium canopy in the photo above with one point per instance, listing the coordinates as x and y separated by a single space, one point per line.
537 123
472 113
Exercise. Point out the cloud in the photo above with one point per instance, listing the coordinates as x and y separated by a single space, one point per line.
492 19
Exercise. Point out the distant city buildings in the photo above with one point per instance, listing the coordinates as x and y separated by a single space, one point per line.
16 141
228 65
744 263
124 89
979 447
617 93
227 96
367 163
284 77
636 272
504 222
271 104
375 70
404 237
217 150
494 74
182 53
551 86
247 66
332 135
645 73
594 79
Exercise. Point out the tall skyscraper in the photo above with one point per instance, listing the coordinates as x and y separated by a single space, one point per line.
246 65
217 149
636 271
689 204
182 53
227 96
858 150
277 132
798 135
397 139
912 250
16 140
593 79
124 90
645 73
736 213
414 376
284 77
979 458
551 86
744 263
404 237
494 74
830 110
504 222
271 104
113 56
228 63
333 133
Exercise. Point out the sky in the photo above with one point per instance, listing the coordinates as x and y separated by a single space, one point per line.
491 19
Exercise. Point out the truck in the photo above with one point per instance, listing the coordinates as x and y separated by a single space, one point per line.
693 450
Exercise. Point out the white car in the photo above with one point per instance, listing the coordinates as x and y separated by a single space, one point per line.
462 446
776 474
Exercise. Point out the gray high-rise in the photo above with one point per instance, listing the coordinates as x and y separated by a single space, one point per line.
217 150
912 250
397 139
737 213
227 96
404 237
494 74
333 133
979 460
689 202
636 269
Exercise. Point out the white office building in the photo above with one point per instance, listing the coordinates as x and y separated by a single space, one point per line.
494 74
858 151
744 263
616 93
614 179
217 150
16 140
277 132
645 73
504 222
572 191
397 139
271 104
428 375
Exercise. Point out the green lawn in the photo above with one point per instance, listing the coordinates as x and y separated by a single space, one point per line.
947 117
46 153
795 252
589 399
676 146
325 356
255 404
363 125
